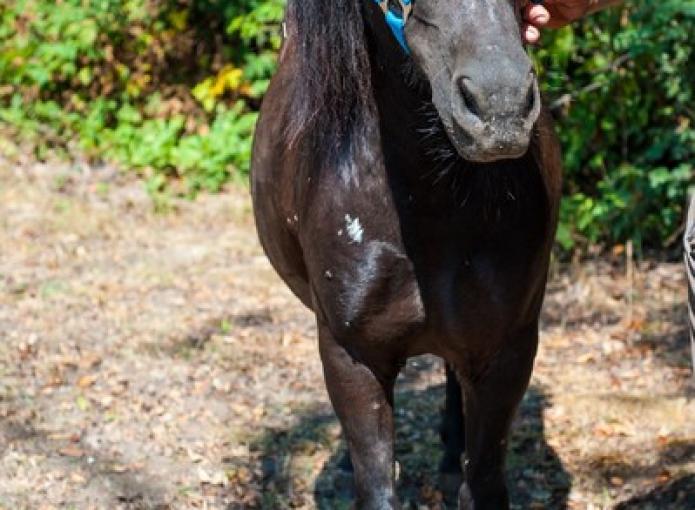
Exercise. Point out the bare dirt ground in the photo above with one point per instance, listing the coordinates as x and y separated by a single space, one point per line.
155 361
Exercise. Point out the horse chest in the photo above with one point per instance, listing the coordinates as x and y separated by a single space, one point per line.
375 288
481 276
479 293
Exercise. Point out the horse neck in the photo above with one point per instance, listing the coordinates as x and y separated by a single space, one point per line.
399 119
403 126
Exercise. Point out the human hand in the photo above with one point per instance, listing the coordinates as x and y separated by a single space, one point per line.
551 14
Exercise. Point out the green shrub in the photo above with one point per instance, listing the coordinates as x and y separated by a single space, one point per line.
623 86
166 87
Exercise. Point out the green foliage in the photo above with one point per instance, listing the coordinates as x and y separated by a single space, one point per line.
623 85
171 88
166 87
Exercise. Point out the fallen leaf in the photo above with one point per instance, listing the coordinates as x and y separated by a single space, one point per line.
603 430
86 381
77 478
67 361
586 357
636 324
72 451
663 477
216 477
662 439
616 481
90 360
59 436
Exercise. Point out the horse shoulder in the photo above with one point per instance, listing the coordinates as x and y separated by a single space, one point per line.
363 282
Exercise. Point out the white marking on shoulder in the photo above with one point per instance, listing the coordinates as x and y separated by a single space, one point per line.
354 229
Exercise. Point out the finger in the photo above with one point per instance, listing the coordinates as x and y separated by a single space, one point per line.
536 14
531 34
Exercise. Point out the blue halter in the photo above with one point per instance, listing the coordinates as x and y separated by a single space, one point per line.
395 21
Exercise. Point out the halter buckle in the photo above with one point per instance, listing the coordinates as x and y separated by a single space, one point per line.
397 21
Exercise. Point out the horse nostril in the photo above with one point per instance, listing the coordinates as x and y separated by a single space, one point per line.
468 98
531 98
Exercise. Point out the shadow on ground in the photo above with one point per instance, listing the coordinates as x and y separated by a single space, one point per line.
115 486
672 348
653 325
676 495
675 488
535 473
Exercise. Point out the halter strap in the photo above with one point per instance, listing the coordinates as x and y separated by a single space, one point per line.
396 21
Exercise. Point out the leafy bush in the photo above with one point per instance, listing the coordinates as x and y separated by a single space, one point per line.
171 88
623 86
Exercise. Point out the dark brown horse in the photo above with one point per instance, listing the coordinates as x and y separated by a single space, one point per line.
408 195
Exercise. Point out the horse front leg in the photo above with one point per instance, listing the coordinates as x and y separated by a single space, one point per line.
490 405
363 402
453 437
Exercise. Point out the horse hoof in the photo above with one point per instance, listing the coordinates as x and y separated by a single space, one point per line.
466 498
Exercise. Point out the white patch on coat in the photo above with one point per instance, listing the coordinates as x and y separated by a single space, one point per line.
354 229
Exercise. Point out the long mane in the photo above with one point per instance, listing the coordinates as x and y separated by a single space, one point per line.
332 103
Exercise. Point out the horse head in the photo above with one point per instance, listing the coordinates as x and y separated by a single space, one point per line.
483 84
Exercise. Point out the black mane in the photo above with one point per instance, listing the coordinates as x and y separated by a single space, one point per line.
332 106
